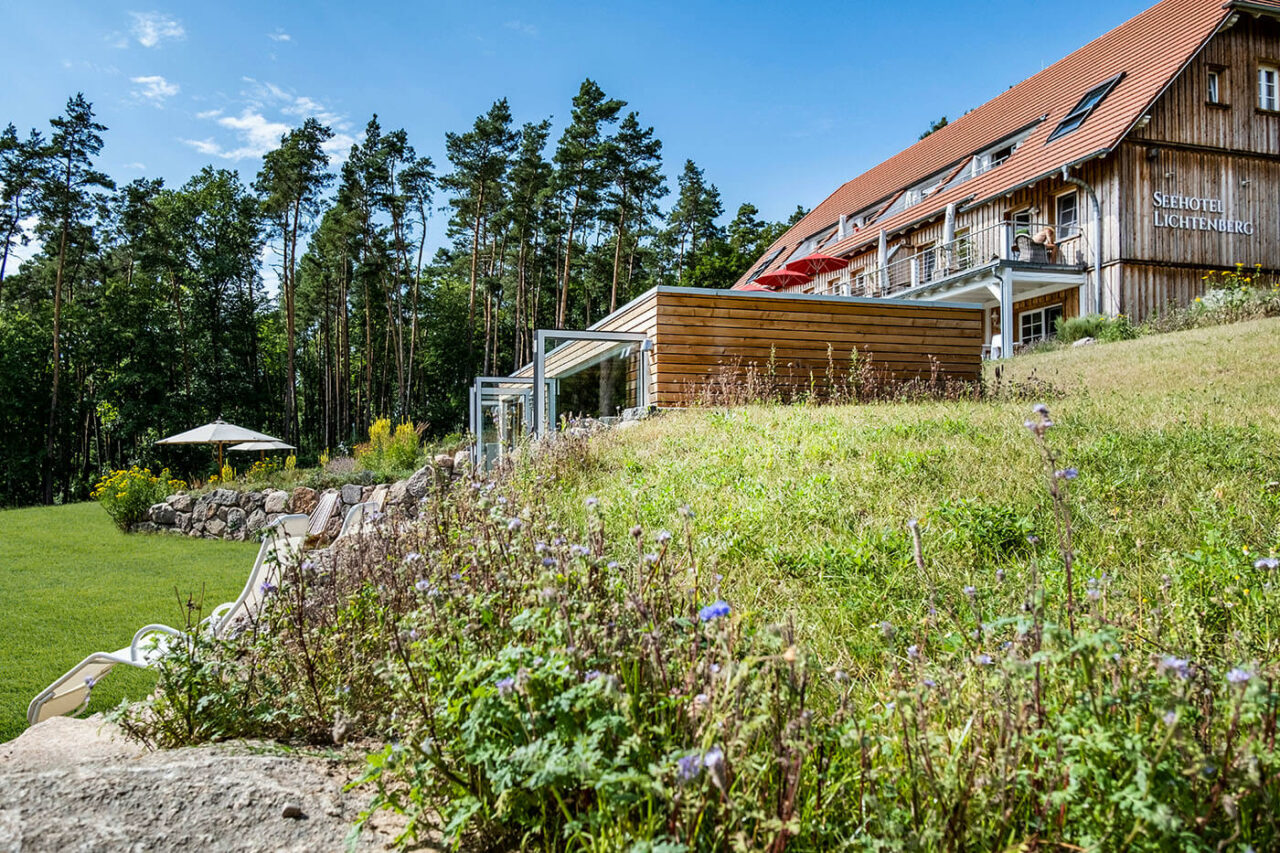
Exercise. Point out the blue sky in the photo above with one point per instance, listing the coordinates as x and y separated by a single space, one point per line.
780 103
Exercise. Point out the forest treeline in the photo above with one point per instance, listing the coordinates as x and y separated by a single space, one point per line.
146 309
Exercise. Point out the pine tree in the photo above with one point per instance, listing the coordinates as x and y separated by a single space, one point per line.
69 200
22 163
289 184
480 159
581 160
634 162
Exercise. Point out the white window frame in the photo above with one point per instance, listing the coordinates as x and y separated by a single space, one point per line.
1268 88
1214 85
1040 315
1062 232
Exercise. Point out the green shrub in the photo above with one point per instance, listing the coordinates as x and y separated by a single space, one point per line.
387 452
1096 326
127 494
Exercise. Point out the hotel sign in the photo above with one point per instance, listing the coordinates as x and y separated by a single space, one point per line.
1196 213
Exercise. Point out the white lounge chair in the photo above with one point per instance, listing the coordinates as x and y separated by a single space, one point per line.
69 694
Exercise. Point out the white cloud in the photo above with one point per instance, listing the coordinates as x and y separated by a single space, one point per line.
151 28
268 113
154 89
279 35
522 27
138 167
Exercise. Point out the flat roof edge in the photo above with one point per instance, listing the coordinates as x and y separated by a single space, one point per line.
821 297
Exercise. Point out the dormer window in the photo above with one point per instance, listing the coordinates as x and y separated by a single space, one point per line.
1084 108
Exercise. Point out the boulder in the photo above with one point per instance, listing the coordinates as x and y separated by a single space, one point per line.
251 500
181 502
257 520
304 499
366 493
443 461
272 516
219 513
200 511
145 527
461 461
1083 342
224 497
162 514
398 494
422 480
236 519
215 527
183 521
276 501
351 494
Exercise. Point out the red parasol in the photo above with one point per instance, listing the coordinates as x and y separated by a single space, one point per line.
779 279
816 264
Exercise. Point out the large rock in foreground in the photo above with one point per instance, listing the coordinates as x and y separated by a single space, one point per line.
76 785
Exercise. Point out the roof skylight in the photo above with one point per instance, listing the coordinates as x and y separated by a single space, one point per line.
1084 108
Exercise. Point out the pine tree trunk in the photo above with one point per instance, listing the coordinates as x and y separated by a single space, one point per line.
57 356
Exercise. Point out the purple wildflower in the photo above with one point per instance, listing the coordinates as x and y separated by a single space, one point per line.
1170 717
689 768
613 564
579 550
1178 666
663 537
514 524
651 557
1239 676
714 610
983 659
506 685
1268 563
970 591
591 675
1066 474
592 503
412 557
548 561
267 587
913 652
422 585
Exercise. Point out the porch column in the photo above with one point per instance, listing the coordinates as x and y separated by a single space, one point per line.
1006 314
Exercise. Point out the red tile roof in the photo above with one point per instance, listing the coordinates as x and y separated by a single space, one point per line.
1150 50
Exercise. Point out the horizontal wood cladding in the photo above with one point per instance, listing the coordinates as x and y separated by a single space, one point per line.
704 339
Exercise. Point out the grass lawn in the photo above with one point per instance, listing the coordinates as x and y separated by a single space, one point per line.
71 584
803 509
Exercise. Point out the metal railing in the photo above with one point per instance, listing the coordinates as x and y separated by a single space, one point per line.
1034 242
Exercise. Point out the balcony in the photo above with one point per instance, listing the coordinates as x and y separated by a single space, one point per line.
940 266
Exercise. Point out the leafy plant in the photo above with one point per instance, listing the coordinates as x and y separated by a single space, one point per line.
126 495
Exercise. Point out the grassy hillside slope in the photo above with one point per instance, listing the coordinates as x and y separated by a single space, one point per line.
804 509
71 584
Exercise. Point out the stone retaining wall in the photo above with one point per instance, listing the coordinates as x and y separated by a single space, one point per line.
236 515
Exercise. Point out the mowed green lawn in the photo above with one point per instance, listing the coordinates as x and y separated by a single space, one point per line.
71 584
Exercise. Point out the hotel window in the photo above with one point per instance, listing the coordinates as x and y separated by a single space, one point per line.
1268 88
1039 324
1084 108
1068 215
928 262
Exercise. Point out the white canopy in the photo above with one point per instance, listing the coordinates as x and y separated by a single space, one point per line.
262 445
218 432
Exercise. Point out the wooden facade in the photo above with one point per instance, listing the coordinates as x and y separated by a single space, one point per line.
704 337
